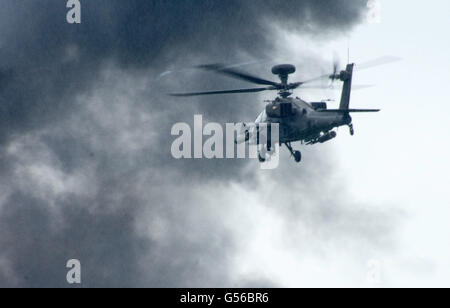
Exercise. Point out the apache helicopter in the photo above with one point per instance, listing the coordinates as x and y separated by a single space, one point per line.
309 123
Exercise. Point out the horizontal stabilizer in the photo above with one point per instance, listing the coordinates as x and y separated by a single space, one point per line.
349 110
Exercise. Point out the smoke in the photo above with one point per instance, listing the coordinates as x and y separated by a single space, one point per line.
86 170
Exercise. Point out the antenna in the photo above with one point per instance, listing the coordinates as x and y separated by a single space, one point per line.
348 51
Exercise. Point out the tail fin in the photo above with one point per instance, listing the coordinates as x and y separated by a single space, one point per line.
346 76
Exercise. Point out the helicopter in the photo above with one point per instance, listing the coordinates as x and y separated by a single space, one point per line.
299 121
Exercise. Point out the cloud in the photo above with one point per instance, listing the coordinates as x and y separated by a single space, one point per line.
85 146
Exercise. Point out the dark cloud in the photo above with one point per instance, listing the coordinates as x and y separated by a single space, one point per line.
53 61
84 130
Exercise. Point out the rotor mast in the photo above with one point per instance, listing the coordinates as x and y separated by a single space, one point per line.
283 71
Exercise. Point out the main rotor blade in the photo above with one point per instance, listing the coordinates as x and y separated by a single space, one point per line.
354 87
193 68
377 62
238 75
222 92
327 76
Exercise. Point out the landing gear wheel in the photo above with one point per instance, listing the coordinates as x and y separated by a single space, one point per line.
352 130
298 156
261 159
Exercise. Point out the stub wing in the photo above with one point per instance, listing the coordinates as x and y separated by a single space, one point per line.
349 110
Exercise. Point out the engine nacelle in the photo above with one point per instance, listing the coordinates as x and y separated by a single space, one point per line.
327 137
319 106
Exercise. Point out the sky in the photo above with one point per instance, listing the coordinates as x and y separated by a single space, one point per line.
85 148
413 152
398 160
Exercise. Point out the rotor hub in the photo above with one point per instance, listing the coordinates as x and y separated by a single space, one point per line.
283 69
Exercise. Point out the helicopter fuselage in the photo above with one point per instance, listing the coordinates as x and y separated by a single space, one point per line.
302 121
298 120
